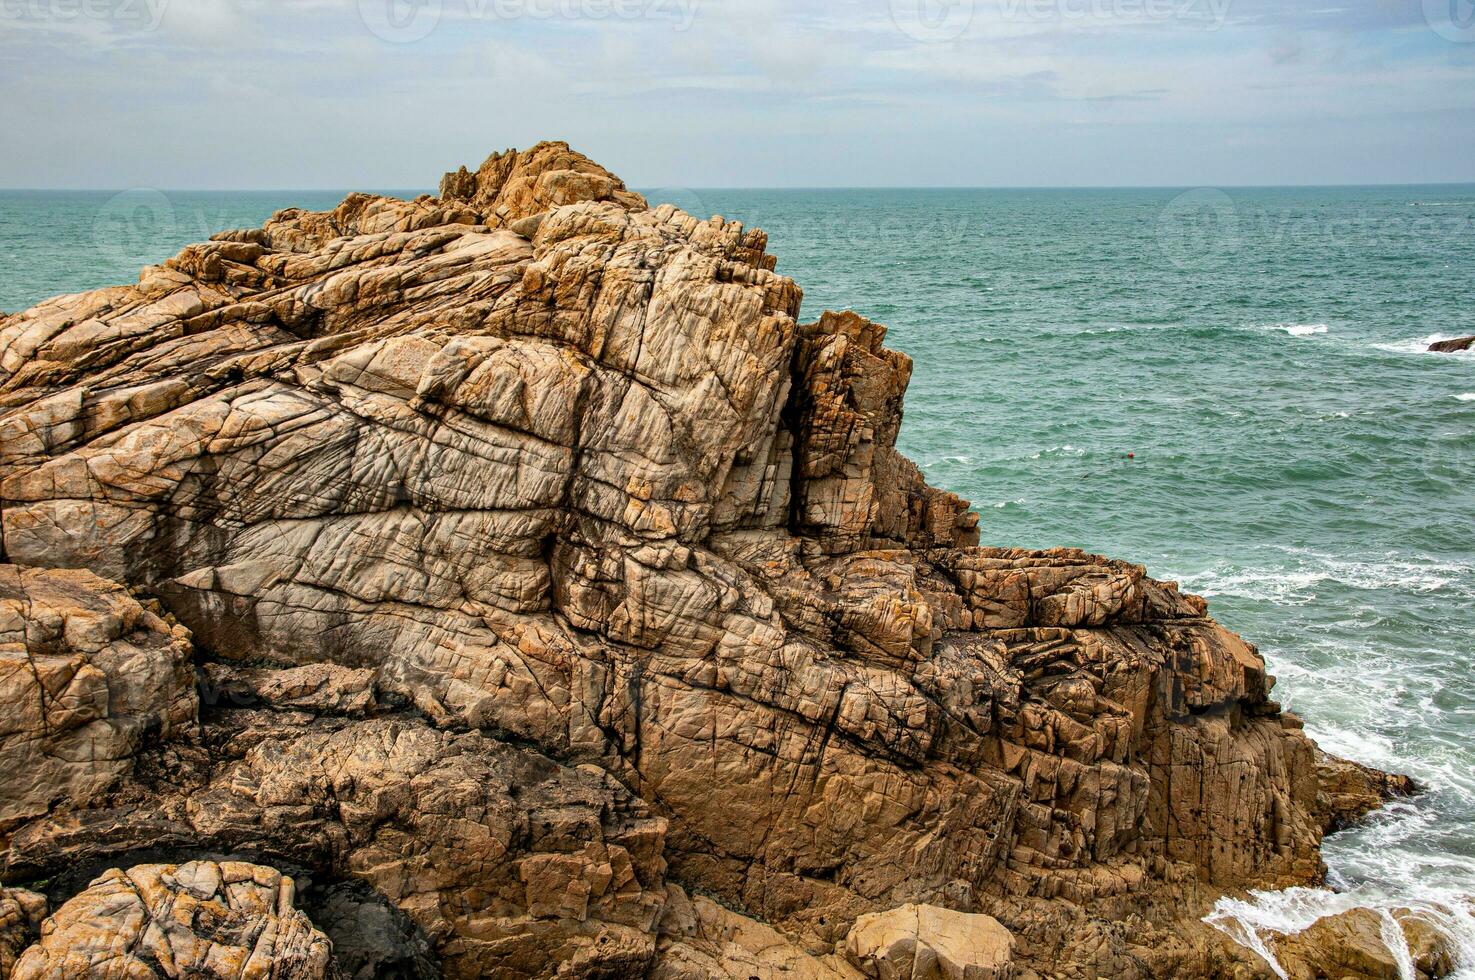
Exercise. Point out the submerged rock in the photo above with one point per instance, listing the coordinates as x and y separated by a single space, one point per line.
540 464
1452 346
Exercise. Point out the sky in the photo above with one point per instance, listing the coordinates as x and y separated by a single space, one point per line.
238 94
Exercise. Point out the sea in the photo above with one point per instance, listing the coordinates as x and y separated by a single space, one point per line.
1228 385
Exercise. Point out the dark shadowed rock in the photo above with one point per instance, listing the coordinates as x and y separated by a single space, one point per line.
1452 346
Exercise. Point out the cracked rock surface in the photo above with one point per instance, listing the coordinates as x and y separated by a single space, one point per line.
201 919
538 556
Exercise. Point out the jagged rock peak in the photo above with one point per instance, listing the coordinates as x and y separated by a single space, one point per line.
514 184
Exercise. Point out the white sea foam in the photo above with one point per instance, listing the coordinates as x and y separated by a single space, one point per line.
1297 329
1465 396
1296 585
1065 450
1401 709
1253 922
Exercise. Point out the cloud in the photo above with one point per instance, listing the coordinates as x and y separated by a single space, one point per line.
692 92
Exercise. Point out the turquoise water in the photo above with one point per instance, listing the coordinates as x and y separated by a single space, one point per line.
1298 458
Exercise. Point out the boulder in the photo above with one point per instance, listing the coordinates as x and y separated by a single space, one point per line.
924 942
231 921
1452 346
701 940
1364 944
511 864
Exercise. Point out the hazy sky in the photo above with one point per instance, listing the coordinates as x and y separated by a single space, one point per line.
744 93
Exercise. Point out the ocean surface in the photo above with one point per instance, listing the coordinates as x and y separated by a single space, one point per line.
1295 455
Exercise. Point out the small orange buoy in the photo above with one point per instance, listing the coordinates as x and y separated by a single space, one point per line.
1131 455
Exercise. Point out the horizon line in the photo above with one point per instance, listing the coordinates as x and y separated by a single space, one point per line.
771 187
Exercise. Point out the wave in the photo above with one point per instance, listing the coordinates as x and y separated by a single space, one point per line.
1293 585
1298 329
1065 450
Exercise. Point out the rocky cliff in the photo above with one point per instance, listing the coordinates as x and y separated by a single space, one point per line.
545 574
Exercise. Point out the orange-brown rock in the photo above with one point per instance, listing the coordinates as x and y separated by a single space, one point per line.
540 463
227 921
21 914
1363 944
1348 791
88 676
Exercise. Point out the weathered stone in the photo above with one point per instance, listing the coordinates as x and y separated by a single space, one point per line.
21 913
924 942
1348 791
701 940
1363 944
230 921
319 688
508 862
87 677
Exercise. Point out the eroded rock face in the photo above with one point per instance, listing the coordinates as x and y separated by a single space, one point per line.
546 464
228 921
87 677
510 863
924 942
1347 791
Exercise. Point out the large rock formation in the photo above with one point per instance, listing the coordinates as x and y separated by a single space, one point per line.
538 464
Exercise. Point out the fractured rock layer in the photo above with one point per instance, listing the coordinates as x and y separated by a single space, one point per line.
201 919
545 464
